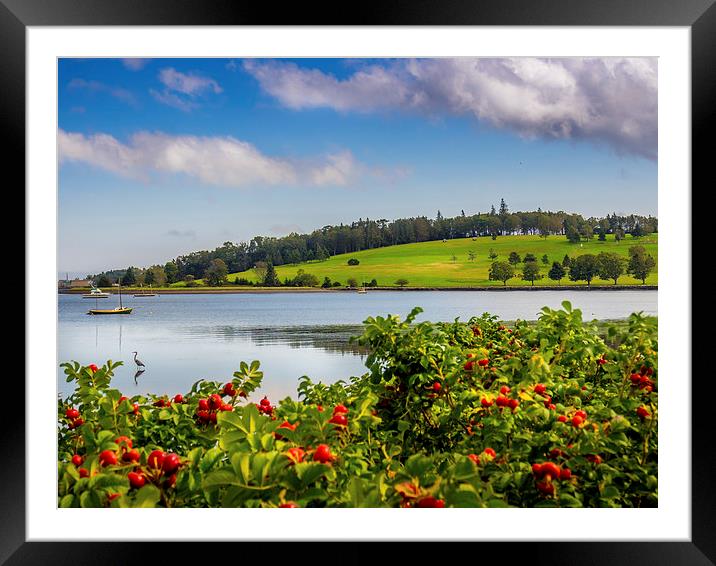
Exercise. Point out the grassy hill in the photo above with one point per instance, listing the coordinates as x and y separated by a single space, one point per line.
431 264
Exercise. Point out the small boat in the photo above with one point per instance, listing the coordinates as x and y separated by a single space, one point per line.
95 293
116 310
145 294
362 290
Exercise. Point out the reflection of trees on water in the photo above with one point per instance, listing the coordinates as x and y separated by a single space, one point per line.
331 338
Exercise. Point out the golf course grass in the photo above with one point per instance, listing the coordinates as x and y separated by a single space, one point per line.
448 264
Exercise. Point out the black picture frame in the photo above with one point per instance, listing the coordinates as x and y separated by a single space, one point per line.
698 15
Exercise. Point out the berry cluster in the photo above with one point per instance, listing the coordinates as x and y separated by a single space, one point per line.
487 455
548 472
265 407
642 379
74 419
209 407
339 417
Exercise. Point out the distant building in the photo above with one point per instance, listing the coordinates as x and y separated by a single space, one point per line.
73 283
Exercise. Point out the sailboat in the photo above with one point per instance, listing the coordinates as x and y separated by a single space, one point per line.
145 294
95 293
117 310
362 288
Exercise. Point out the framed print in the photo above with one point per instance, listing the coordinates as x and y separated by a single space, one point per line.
243 212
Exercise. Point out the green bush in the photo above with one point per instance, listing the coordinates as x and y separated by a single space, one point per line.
448 414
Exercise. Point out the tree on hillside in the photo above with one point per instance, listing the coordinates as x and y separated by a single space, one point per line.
530 272
453 258
471 255
501 271
641 265
493 254
215 274
618 235
304 279
129 277
545 259
326 282
103 281
171 271
557 272
270 277
611 266
353 261
566 261
402 282
530 257
189 280
584 268
514 258
352 282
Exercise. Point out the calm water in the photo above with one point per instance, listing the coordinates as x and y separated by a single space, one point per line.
183 338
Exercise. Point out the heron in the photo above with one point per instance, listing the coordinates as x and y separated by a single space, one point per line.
140 363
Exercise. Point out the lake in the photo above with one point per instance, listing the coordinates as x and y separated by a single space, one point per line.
183 338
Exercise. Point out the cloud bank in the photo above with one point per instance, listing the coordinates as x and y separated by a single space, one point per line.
218 161
607 101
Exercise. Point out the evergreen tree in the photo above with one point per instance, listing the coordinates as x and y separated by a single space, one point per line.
557 272
271 278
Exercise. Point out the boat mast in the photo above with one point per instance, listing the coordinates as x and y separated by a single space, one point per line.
120 291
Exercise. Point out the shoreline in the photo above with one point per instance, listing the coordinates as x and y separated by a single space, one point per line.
263 290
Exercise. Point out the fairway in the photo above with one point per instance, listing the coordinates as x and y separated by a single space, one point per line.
448 264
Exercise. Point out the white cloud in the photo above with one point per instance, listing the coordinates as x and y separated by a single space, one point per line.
609 101
190 84
184 90
219 161
135 63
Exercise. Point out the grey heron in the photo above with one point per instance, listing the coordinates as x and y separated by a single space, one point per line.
140 363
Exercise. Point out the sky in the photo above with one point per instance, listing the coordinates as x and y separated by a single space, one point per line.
161 157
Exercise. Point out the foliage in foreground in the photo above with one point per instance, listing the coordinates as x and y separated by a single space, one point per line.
449 415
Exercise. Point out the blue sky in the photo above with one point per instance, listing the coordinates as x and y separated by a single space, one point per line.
166 156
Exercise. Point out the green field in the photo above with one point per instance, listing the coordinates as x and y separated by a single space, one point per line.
430 264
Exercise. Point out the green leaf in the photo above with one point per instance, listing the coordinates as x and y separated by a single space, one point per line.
147 496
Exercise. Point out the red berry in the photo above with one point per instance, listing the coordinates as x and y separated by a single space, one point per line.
215 401
178 398
490 452
203 415
171 463
635 377
288 425
483 362
170 481
513 403
550 469
136 479
92 367
562 419
72 413
229 389
502 401
340 409
577 421
295 455
475 458
77 422
135 408
594 458
339 420
539 389
504 390
226 407
203 405
431 502
643 412
468 366
113 496
565 474
83 472
212 418
77 460
320 408
265 402
322 454
485 402
537 469
156 459
551 406
107 458
288 505
437 386
581 414
131 456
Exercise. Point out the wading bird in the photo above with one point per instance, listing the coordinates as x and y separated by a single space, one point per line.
140 363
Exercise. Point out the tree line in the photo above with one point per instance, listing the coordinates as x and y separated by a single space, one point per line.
369 233
608 266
